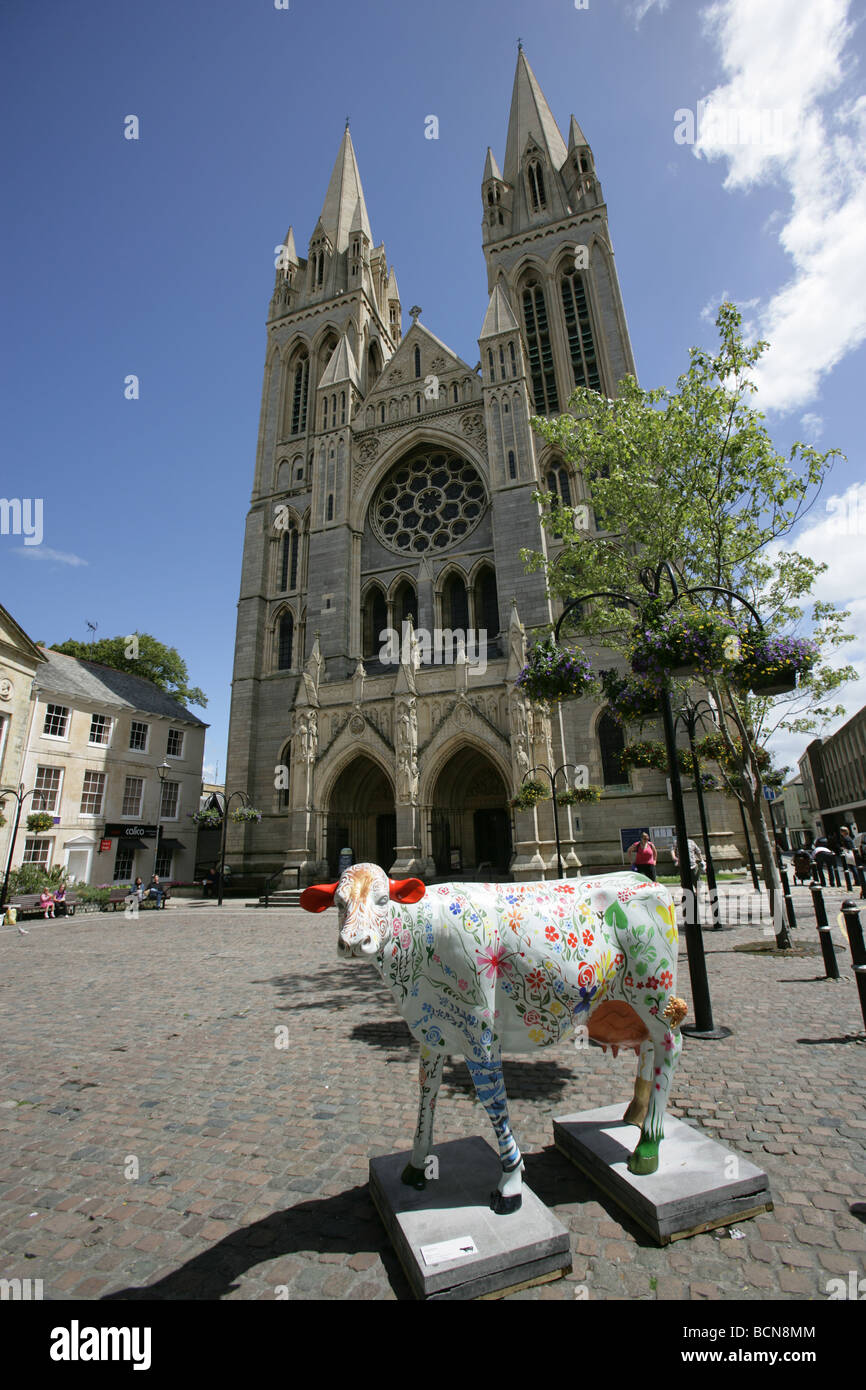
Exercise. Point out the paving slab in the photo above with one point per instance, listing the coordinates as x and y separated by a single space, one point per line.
699 1185
489 1254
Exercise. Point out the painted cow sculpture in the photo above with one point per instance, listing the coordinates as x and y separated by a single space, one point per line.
483 968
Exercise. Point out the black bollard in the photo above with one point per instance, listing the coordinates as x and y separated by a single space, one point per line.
789 901
858 950
831 966
848 884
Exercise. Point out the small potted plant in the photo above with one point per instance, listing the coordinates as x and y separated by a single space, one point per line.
38 821
529 795
574 796
771 665
555 674
243 815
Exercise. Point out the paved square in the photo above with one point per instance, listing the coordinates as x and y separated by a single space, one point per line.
155 1141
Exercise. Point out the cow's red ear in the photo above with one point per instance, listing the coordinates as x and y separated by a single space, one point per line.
318 896
406 890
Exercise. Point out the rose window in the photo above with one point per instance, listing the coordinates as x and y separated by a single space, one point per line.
428 502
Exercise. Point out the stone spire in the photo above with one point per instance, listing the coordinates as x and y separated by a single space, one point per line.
530 117
344 207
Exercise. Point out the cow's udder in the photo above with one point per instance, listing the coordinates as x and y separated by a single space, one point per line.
616 1024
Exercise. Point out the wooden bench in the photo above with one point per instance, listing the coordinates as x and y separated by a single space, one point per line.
28 905
119 897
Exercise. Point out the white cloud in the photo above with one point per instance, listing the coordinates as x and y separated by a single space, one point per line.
836 536
813 425
643 7
44 552
788 63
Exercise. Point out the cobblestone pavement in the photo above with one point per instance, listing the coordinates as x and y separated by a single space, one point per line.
152 1043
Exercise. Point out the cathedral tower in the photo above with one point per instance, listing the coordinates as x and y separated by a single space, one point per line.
393 492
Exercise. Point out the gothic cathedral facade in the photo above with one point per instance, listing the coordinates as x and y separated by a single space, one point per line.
393 491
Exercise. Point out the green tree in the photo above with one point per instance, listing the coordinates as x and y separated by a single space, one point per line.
691 476
140 655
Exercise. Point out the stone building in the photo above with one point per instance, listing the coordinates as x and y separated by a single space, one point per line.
94 741
394 489
833 771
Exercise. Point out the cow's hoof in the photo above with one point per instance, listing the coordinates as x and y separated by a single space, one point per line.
504 1206
413 1177
645 1159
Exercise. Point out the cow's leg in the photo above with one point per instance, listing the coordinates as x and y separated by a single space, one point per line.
666 1046
490 1089
429 1076
637 1110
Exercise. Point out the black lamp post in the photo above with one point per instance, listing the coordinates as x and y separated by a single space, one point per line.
227 801
161 772
20 796
552 776
690 716
703 1027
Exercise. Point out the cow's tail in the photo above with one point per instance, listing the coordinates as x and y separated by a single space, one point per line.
675 1011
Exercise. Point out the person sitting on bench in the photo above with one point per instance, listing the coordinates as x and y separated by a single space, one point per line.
157 891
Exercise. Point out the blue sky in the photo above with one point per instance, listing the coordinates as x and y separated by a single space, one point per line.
155 256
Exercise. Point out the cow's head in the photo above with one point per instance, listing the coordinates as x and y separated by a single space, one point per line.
361 898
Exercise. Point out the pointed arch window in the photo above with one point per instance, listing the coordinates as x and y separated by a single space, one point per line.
300 386
513 359
611 742
382 413
559 484
285 642
283 795
289 560
455 603
540 350
342 407
535 176
374 619
490 361
578 325
512 466
329 515
405 605
417 360
486 602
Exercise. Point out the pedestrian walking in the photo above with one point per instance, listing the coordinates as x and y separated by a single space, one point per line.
697 863
644 856
825 863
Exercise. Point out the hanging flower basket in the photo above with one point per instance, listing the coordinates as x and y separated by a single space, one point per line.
680 644
709 782
529 795
631 700
241 815
771 665
38 821
575 795
652 755
554 674
209 819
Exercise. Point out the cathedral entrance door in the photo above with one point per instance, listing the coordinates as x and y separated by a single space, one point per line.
361 816
492 839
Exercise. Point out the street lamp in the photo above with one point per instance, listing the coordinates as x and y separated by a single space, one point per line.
690 715
552 776
161 772
20 796
650 580
227 800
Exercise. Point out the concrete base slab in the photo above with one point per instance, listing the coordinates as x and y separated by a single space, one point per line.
700 1184
502 1252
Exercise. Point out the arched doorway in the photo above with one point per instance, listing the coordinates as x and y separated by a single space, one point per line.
361 816
470 825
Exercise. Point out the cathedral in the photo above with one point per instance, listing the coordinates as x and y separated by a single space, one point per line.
384 609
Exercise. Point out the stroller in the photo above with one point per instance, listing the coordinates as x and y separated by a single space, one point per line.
803 866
